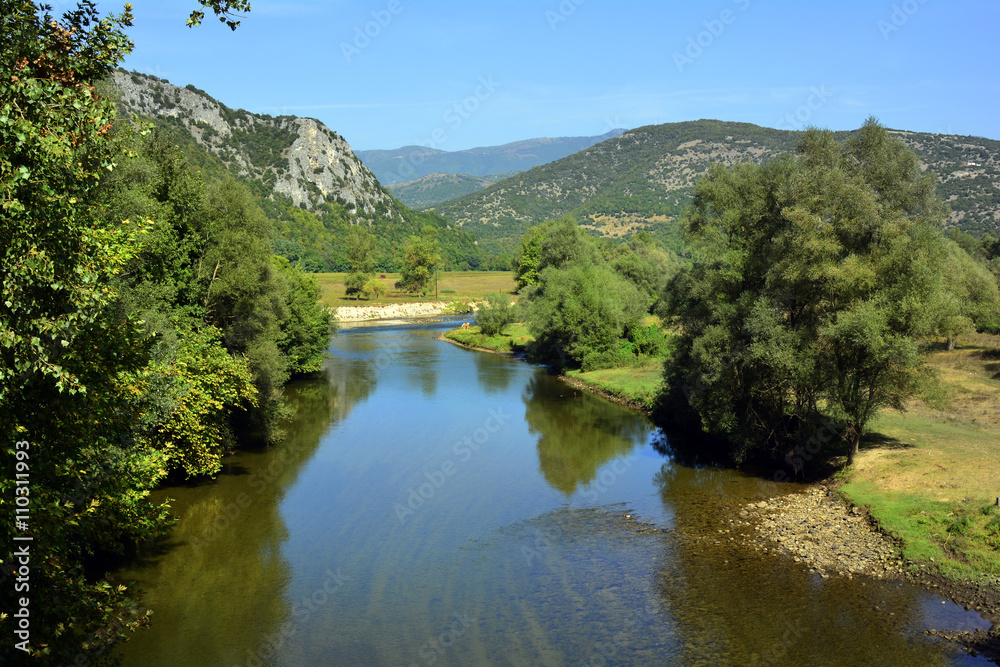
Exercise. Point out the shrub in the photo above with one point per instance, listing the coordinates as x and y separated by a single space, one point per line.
495 313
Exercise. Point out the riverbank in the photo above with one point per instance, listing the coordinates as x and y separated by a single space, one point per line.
856 525
393 311
830 536
635 387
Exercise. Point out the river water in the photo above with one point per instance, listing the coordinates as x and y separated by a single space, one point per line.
436 506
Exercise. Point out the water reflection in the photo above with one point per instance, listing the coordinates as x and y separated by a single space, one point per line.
577 433
733 605
493 373
420 359
220 582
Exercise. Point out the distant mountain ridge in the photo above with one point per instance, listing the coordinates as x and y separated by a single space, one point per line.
436 188
644 179
413 162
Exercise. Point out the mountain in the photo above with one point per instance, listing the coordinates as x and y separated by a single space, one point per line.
643 179
436 188
307 178
414 162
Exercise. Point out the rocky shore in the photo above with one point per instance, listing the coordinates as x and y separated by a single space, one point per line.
391 311
821 531
817 528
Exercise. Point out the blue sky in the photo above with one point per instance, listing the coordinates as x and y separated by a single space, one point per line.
454 75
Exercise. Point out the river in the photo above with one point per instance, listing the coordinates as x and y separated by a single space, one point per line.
436 506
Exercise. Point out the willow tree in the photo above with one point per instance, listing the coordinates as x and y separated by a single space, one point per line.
818 278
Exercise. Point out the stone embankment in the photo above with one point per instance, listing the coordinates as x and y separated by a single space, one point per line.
391 311
816 528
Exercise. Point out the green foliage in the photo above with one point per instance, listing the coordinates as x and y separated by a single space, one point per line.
580 310
816 279
495 313
528 257
374 289
306 329
65 352
421 258
360 245
202 385
970 299
225 11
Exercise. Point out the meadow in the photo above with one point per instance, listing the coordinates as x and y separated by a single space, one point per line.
452 286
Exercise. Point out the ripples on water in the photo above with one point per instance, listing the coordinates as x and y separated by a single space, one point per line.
433 505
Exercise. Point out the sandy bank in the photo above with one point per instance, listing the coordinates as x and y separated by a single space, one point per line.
390 311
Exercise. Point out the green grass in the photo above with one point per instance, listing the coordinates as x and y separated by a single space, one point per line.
514 338
929 475
452 286
638 384
961 538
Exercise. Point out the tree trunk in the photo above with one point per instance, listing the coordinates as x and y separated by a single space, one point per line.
854 440
951 343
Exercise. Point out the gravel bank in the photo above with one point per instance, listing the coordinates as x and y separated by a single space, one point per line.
391 311
818 529
823 532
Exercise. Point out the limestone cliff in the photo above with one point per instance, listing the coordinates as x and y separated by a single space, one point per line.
297 157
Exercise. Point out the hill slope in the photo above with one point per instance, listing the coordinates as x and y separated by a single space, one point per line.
436 188
412 162
643 180
309 181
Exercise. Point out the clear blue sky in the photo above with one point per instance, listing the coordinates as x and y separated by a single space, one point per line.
518 69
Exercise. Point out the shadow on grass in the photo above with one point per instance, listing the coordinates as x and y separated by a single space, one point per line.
876 440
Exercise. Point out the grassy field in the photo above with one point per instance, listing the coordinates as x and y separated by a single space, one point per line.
931 475
452 286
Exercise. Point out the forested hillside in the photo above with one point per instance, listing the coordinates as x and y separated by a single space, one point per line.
436 188
644 179
305 176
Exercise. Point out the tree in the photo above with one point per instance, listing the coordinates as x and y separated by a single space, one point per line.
579 310
225 11
422 255
818 277
527 258
495 313
361 258
66 405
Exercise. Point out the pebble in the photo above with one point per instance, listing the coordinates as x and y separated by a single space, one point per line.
825 536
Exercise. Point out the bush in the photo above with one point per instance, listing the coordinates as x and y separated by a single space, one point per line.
495 313
374 289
